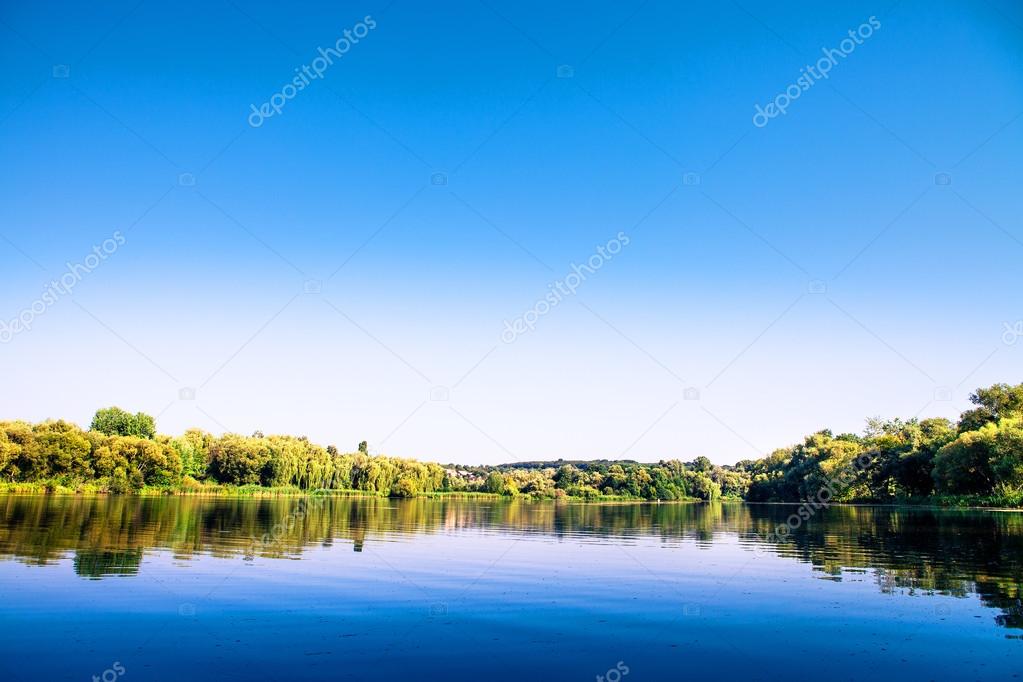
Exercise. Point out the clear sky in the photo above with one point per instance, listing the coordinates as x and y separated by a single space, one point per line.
346 269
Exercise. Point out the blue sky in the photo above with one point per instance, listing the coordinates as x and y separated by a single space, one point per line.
345 269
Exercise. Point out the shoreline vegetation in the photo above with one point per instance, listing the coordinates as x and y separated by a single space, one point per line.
226 490
53 487
976 461
56 487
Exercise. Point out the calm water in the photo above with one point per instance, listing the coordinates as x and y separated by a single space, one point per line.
184 588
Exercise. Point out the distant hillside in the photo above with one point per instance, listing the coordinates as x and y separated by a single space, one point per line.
583 464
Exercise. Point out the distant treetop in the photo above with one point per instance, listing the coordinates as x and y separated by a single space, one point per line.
113 421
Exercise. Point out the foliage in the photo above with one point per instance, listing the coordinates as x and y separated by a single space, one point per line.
978 458
113 421
981 456
964 465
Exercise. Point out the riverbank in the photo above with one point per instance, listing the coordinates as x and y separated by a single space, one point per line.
55 487
256 491
203 490
50 487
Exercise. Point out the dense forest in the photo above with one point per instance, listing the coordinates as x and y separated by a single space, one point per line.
978 459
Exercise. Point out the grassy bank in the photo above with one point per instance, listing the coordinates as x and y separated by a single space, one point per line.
1014 500
65 487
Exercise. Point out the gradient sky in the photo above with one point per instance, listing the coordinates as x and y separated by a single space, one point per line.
719 289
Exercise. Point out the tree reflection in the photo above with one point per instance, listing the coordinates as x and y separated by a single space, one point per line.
913 551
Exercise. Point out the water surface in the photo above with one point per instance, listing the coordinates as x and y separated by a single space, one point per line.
292 589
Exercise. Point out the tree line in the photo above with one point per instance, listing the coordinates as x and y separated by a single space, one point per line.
978 457
122 452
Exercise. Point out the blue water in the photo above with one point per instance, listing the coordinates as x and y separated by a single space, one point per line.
174 588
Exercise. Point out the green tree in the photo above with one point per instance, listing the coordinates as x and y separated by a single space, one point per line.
18 451
616 477
114 421
964 465
701 464
914 467
193 448
702 487
64 448
26 459
1007 462
993 403
240 460
8 453
567 476
494 483
130 462
974 419
405 487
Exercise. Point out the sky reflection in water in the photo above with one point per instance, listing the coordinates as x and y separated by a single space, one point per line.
463 589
